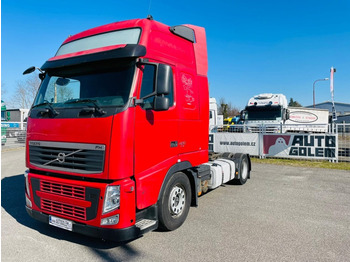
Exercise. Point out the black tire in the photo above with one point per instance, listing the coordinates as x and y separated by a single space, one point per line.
174 204
244 171
227 155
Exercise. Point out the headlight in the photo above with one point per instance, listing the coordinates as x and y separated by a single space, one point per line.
27 182
112 199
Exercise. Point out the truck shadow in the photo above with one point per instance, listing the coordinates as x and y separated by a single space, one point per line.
13 202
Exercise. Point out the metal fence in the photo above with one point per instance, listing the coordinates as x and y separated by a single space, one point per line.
343 131
15 136
313 142
275 128
240 140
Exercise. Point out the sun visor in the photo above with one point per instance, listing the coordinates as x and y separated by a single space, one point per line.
128 51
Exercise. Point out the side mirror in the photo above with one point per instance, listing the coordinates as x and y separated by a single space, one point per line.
286 114
160 103
29 70
42 76
164 79
8 116
32 69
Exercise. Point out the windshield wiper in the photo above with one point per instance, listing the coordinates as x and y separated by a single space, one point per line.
48 109
94 109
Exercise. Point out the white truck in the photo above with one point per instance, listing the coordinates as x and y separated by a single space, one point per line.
270 113
214 118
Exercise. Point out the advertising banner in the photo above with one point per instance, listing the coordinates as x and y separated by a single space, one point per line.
247 143
10 124
306 146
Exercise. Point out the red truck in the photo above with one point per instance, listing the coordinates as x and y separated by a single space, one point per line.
117 137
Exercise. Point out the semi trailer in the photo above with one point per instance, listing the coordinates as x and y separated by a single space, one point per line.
117 136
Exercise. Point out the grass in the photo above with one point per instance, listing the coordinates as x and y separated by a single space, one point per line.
303 163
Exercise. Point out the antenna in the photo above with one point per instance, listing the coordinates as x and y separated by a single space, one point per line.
149 9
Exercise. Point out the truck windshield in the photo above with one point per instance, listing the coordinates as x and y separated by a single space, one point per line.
264 113
107 86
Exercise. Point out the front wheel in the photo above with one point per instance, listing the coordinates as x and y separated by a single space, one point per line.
174 204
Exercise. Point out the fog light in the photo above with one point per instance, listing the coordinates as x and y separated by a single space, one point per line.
112 199
110 221
28 202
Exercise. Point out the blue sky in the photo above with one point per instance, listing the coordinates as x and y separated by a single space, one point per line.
271 46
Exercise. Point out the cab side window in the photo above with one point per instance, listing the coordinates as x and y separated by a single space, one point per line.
148 88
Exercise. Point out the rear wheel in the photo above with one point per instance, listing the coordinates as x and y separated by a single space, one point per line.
244 171
175 202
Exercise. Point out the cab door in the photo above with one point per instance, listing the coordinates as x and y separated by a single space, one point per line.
156 135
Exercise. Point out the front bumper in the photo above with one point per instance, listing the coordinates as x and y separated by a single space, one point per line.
118 235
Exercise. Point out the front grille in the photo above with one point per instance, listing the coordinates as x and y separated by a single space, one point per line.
63 209
70 157
69 200
77 192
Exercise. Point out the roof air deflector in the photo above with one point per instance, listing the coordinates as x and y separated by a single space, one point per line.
184 32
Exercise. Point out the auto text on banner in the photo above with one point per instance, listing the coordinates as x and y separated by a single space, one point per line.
306 146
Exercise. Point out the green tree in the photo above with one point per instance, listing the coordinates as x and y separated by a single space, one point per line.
25 92
226 109
293 103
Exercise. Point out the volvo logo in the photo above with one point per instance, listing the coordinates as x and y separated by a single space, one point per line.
61 157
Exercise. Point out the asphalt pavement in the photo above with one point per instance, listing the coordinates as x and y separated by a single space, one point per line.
283 213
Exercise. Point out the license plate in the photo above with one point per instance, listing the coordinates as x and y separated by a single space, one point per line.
61 223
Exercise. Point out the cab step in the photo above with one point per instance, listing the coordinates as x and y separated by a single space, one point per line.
147 219
145 223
